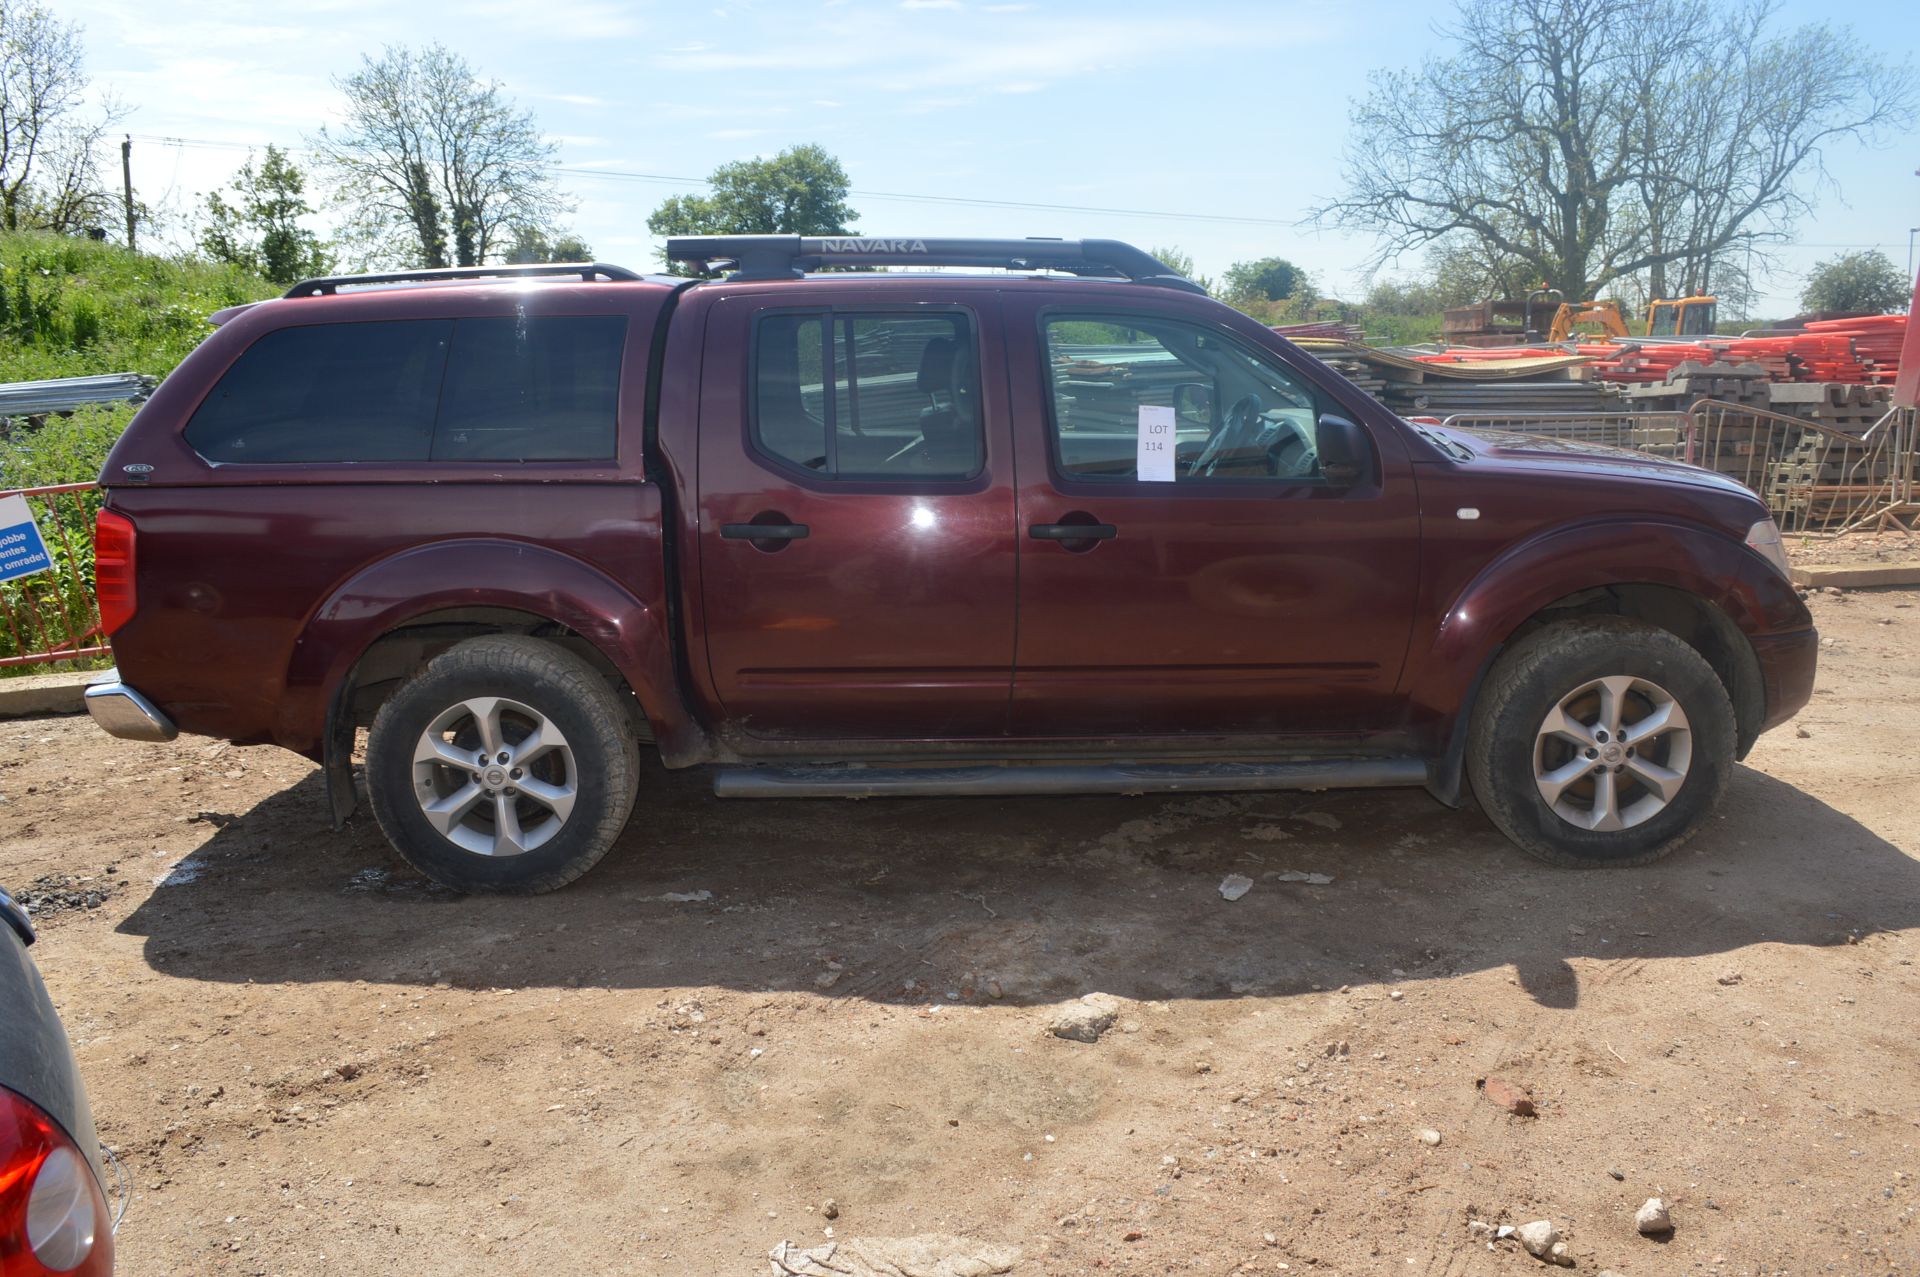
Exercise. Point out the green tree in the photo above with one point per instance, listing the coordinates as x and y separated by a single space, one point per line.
531 244
800 191
1180 261
1859 282
435 165
1595 140
259 228
1273 279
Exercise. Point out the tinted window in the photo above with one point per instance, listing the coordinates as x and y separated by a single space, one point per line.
869 396
512 389
1123 389
521 389
331 392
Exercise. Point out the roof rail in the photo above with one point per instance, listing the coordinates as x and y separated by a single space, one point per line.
790 256
327 285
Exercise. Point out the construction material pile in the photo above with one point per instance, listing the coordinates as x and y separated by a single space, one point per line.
1863 351
1876 341
1327 330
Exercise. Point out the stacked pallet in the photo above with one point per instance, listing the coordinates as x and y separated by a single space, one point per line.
1499 398
1358 371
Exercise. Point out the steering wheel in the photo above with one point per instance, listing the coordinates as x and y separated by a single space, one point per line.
1291 456
1242 425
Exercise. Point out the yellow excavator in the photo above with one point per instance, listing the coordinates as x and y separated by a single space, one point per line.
1680 317
1515 322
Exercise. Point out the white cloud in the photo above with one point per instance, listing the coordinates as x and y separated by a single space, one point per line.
931 4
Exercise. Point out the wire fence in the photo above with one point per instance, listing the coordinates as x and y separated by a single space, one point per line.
1814 478
1659 434
52 616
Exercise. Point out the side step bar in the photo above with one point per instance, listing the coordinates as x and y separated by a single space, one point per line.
1080 778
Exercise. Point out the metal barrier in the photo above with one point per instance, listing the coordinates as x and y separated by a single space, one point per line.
1812 477
1659 434
53 616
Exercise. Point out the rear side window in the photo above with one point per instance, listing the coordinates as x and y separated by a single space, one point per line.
869 396
531 390
491 389
329 392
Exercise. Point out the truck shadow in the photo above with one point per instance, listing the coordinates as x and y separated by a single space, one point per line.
1028 900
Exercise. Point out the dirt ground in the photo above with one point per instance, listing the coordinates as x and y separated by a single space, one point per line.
311 1062
1855 549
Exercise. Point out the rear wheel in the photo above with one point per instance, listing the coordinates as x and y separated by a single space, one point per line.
504 766
1600 741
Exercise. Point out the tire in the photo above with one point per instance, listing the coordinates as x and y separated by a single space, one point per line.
1618 801
488 831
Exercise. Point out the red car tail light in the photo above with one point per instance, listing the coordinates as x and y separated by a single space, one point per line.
53 1216
113 569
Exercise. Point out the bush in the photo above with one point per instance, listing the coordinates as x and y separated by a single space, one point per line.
65 450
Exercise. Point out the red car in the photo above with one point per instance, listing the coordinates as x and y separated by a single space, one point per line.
1073 527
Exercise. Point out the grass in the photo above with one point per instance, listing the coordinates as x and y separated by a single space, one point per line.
70 307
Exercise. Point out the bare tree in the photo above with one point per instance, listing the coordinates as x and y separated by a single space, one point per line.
1591 140
434 164
49 177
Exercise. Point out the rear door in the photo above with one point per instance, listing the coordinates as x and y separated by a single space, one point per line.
857 515
1224 586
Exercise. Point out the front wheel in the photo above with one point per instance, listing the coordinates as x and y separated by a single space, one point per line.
506 765
1600 741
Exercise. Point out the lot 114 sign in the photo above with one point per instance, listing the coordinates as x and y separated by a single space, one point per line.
23 551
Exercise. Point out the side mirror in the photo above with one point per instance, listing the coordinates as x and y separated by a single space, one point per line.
1345 453
1193 401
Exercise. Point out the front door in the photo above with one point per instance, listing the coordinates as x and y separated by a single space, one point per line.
1222 585
856 519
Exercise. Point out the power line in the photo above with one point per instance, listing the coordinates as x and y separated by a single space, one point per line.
965 201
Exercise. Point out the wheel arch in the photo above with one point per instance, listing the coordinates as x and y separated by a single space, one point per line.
1690 581
393 616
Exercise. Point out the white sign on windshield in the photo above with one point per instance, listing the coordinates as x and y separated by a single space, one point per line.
1153 463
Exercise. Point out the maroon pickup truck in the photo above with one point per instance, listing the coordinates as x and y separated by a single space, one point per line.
1070 526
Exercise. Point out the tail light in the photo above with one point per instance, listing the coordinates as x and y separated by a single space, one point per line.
113 569
53 1216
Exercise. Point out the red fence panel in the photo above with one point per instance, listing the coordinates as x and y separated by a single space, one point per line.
52 615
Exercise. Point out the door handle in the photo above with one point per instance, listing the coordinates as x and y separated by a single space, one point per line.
764 531
1073 531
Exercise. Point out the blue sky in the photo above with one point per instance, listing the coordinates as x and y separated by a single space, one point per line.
1201 110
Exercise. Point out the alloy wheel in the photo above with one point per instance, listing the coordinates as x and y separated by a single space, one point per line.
1612 753
494 776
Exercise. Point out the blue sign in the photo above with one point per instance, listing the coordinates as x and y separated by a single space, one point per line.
23 551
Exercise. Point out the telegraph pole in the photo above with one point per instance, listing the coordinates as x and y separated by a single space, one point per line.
126 179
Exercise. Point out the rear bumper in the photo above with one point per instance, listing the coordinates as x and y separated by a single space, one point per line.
1787 665
121 711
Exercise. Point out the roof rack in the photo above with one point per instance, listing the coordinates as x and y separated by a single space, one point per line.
790 256
327 285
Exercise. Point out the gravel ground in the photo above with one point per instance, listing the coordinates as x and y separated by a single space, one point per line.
313 1062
